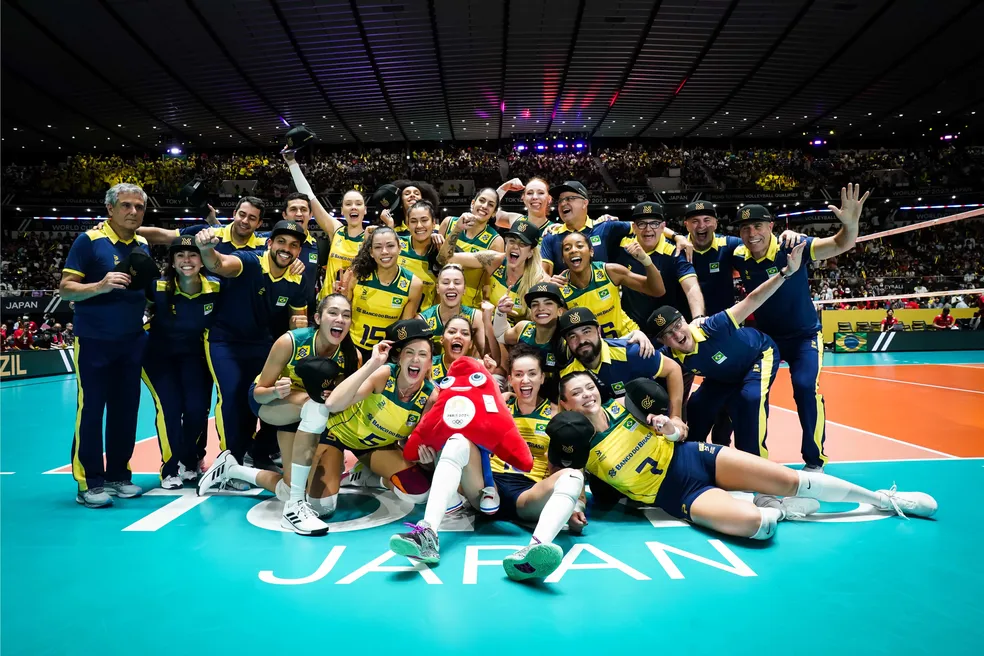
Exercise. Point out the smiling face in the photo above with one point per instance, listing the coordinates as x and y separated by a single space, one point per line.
580 394
457 338
577 252
385 249
415 362
483 206
335 318
701 228
298 210
353 208
572 207
409 196
648 232
451 286
545 311
421 224
536 197
283 250
526 377
517 251
187 263
245 220
678 336
756 235
584 342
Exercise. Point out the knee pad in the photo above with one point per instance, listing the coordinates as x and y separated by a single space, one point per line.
325 506
456 451
283 491
570 484
415 499
768 523
412 481
314 417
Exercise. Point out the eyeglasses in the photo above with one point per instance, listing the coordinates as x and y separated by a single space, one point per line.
647 225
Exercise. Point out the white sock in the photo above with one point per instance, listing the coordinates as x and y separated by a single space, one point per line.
767 526
244 473
298 481
325 506
824 487
447 477
559 507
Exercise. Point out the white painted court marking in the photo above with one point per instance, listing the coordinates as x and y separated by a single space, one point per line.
901 382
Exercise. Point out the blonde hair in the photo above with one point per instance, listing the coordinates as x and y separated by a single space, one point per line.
532 274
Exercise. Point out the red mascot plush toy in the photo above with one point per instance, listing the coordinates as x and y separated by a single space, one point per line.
469 403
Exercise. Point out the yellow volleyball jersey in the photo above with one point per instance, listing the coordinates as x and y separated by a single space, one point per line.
343 251
533 428
435 323
629 456
376 306
419 266
302 343
601 297
499 283
380 419
474 278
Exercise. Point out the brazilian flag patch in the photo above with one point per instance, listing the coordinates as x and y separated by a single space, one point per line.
715 267
772 271
850 342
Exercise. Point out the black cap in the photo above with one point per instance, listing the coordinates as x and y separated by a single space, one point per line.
571 185
289 228
524 231
386 196
647 210
575 318
699 208
183 243
194 193
298 138
753 213
318 374
403 332
644 397
141 269
570 436
663 317
545 290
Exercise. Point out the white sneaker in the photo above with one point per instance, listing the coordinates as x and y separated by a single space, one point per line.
282 491
918 504
794 508
172 483
187 475
361 476
455 503
489 502
300 517
218 473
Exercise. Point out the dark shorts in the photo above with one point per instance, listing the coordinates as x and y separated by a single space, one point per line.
690 474
510 486
331 440
254 406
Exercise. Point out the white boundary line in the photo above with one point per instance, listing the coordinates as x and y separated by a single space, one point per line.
904 382
884 437
69 465
969 365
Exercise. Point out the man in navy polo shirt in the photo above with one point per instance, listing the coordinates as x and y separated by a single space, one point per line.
572 206
788 317
105 275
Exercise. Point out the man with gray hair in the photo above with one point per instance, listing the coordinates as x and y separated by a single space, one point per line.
106 275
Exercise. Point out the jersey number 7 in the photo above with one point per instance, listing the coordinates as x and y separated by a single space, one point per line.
652 464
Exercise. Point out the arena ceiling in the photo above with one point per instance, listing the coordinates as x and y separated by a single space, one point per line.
130 74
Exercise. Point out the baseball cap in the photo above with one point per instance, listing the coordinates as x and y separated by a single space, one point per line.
572 186
570 436
699 208
317 374
647 210
753 213
298 138
403 332
288 228
545 290
524 231
575 318
386 196
140 267
663 317
644 397
182 243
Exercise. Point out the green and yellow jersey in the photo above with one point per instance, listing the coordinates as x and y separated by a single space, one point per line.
302 346
381 418
435 323
601 297
474 278
499 283
343 251
419 266
629 455
376 306
533 428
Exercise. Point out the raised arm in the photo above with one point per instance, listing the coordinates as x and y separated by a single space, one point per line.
363 382
488 260
158 236
849 214
651 283
740 311
224 265
326 221
270 385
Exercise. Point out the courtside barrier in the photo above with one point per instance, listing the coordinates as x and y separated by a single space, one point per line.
896 341
17 365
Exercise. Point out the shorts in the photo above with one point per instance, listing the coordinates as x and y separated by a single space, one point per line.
510 487
254 406
690 474
330 440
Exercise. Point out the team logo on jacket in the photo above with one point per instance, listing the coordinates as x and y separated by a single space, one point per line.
313 258
485 237
719 357
303 352
600 275
595 240
281 301
404 284
208 308
772 271
715 267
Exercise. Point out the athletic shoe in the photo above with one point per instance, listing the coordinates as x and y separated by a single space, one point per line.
456 503
172 483
282 491
489 502
236 485
300 517
94 497
536 561
918 504
420 544
122 489
812 469
187 475
792 508
218 473
361 476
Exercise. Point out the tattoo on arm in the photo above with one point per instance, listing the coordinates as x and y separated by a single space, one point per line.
485 258
449 244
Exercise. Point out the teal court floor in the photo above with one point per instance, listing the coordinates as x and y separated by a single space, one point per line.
172 573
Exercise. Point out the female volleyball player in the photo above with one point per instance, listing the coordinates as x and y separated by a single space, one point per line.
536 198
346 241
645 461
418 254
471 232
450 292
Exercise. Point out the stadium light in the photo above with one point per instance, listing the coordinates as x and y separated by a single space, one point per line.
579 145
174 150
